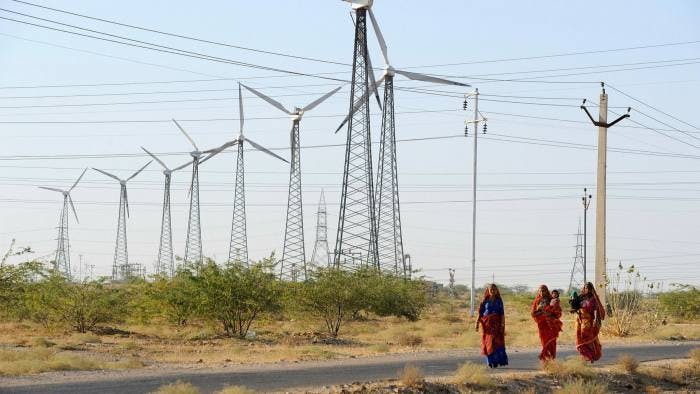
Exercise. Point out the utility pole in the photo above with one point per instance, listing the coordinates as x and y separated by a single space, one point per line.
586 199
601 188
452 282
477 118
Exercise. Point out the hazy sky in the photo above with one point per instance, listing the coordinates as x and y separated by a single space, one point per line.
530 187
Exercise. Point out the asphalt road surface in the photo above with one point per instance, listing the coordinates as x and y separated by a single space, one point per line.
281 376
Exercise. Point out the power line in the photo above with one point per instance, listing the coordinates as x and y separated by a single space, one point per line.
287 55
157 47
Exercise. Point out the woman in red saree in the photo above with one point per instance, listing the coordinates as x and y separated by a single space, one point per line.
493 324
588 323
547 315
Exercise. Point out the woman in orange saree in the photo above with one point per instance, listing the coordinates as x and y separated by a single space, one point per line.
547 315
588 323
493 324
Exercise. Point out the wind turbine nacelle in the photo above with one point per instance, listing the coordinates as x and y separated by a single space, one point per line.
195 154
297 114
357 4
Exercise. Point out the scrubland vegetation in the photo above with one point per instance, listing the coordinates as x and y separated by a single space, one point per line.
219 314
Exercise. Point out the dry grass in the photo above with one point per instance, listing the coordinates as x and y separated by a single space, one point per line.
472 374
694 355
178 387
236 390
42 342
572 367
581 386
412 340
411 376
27 362
628 364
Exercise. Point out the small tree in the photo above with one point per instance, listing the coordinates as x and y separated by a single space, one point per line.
625 303
235 295
84 305
332 295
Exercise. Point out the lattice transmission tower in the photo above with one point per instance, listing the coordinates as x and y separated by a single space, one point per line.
356 240
577 275
321 256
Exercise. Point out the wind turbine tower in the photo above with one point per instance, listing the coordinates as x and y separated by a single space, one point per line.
238 248
293 263
165 265
356 240
120 266
193 245
389 234
321 256
62 259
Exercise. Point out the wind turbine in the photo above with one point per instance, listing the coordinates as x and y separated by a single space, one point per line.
389 235
238 249
120 267
294 253
166 264
62 260
193 245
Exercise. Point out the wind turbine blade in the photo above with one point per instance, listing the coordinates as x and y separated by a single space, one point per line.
155 157
70 200
126 201
240 108
263 149
182 166
139 171
270 100
427 78
358 103
76 182
53 189
107 173
321 99
216 151
186 135
380 37
372 83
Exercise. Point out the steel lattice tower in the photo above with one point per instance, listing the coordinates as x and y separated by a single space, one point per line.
62 261
238 250
120 265
576 280
293 264
193 246
356 240
321 256
389 237
166 265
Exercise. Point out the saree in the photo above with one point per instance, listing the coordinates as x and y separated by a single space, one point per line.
547 316
493 341
588 327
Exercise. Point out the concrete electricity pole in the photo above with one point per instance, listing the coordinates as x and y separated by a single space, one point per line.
478 117
601 189
586 199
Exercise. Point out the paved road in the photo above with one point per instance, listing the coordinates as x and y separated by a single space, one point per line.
277 377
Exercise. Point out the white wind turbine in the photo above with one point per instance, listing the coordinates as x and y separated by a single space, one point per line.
238 249
62 260
120 267
294 253
165 264
193 245
389 234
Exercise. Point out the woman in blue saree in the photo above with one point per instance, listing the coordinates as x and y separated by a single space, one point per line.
493 324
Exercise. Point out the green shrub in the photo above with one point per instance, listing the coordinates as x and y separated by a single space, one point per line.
683 302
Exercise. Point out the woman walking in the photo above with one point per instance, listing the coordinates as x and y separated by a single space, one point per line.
546 311
588 322
493 325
